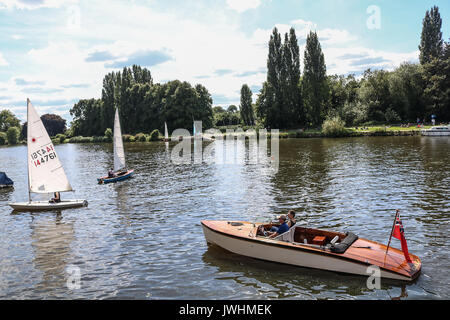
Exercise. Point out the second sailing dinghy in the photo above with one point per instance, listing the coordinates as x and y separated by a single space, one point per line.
120 172
45 172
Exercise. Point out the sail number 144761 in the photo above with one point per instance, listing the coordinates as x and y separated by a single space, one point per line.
41 156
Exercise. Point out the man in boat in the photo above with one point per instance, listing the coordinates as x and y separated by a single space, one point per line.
56 198
111 173
281 229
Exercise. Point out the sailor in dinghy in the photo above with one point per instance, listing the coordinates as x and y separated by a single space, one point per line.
120 172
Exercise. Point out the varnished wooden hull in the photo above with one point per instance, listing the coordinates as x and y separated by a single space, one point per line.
356 260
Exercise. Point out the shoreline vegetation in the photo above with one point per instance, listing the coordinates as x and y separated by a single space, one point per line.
294 95
156 136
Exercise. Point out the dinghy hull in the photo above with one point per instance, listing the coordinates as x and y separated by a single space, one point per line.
45 205
356 260
105 180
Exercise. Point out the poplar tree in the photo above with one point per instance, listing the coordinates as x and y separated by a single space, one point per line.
247 115
314 82
431 43
290 80
274 100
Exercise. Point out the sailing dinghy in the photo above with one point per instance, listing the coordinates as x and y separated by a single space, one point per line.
313 248
120 172
45 172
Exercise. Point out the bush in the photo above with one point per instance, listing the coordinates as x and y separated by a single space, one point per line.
12 134
334 127
109 135
2 138
60 138
79 139
141 137
128 138
154 136
100 139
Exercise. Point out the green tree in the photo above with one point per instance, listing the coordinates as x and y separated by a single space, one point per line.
375 94
247 115
406 87
8 120
12 135
54 124
86 115
292 104
431 43
3 138
314 82
437 91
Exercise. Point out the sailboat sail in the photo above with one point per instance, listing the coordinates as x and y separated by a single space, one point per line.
45 172
119 153
166 132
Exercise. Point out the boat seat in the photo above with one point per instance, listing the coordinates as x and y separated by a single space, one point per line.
288 236
345 244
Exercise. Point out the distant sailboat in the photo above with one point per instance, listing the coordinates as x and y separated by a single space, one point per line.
45 172
120 172
166 133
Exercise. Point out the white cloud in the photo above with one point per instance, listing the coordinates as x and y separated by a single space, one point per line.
3 62
34 4
243 5
198 50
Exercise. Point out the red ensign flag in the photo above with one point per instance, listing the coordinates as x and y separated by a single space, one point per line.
399 233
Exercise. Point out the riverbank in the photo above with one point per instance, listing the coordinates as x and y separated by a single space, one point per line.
375 131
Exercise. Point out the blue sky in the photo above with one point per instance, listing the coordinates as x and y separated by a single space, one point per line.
56 52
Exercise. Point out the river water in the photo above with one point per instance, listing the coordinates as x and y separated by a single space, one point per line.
142 238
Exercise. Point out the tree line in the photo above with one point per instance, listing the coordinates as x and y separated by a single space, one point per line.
410 92
143 106
289 98
11 131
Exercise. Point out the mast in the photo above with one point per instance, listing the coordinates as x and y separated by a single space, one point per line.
28 160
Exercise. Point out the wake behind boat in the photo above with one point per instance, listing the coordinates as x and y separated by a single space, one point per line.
45 172
312 248
120 172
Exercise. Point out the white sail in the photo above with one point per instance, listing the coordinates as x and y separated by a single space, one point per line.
45 172
166 132
119 153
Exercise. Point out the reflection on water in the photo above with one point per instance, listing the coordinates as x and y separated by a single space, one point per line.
51 240
142 238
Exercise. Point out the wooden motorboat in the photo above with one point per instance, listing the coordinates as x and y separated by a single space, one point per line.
118 177
313 248
46 205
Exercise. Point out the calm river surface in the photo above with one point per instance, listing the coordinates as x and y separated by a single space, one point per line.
142 238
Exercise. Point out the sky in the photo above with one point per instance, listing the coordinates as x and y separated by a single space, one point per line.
56 52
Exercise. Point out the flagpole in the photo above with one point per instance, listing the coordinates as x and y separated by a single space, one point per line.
392 231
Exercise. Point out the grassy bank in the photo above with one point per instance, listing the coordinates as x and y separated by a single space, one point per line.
284 134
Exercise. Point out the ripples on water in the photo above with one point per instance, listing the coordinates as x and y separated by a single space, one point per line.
142 238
